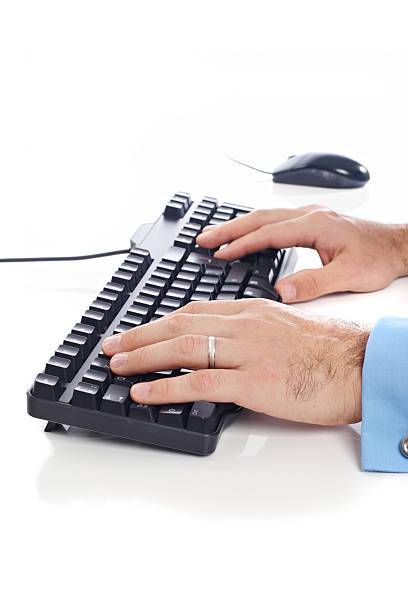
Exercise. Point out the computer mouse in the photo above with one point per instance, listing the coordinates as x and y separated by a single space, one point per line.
321 170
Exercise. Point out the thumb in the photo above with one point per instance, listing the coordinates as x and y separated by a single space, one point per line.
309 284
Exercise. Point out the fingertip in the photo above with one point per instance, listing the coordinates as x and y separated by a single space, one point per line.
287 291
110 345
140 392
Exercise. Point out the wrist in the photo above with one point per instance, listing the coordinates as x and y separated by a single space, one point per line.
399 249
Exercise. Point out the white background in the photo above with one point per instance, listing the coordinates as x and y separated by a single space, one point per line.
106 109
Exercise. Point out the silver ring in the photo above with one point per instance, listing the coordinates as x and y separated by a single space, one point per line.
211 352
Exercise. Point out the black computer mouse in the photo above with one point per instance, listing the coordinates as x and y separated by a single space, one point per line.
321 170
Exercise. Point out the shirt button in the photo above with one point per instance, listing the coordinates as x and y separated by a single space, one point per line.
404 446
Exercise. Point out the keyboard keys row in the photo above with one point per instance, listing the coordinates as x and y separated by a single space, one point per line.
94 394
178 205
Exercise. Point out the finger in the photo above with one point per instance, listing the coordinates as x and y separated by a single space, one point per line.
187 351
295 232
214 236
171 326
309 284
209 385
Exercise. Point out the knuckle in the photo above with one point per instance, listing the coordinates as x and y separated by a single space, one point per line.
311 284
141 355
163 388
188 344
176 324
192 308
203 381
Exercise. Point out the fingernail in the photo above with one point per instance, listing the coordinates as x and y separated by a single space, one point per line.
112 343
140 391
288 292
119 360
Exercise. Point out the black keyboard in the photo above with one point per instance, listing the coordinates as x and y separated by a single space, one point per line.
164 270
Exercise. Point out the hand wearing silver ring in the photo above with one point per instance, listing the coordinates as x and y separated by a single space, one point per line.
211 352
270 358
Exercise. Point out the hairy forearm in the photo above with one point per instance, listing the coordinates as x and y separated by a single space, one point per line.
398 242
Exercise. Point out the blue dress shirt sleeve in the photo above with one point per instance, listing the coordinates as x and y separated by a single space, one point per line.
385 397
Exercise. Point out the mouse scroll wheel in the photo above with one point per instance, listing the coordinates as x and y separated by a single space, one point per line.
290 156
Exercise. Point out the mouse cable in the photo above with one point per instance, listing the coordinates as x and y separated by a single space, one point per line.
248 166
72 258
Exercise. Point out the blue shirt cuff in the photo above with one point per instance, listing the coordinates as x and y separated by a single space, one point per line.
385 397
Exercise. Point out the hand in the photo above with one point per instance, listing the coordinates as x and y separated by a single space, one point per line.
269 358
357 255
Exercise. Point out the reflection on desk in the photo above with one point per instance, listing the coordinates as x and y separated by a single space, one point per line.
262 467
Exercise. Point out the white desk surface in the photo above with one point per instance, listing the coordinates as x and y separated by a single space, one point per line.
280 516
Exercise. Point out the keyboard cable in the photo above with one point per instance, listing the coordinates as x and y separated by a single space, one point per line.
69 258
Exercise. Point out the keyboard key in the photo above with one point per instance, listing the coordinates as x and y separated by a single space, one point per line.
110 297
239 207
175 255
97 377
158 283
116 400
174 210
233 288
171 303
87 395
89 331
195 227
206 289
61 367
142 253
182 286
131 320
152 293
226 296
117 288
162 312
124 278
102 365
216 271
121 328
185 196
149 376
96 318
106 307
185 231
126 381
203 261
199 219
169 266
200 297
177 294
163 275
221 217
203 210
189 277
136 260
173 415
143 412
225 210
271 294
131 267
70 352
191 268
203 417
48 387
211 202
208 279
237 274
184 241
81 342
145 301
137 310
